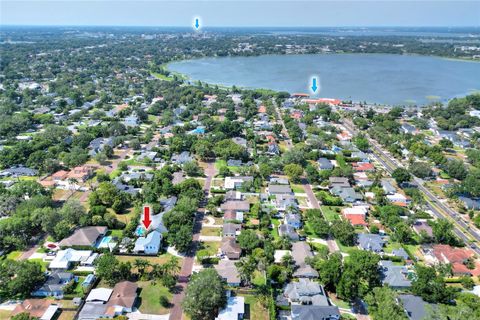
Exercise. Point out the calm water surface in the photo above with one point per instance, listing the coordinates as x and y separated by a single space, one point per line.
375 78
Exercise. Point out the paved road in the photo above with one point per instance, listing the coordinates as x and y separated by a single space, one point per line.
187 266
440 210
312 199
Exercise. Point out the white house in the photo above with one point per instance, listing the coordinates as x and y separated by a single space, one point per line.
149 244
66 258
234 310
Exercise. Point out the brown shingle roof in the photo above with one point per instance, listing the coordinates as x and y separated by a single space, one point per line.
124 294
35 307
83 237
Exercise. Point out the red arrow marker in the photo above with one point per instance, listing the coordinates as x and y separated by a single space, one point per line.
146 217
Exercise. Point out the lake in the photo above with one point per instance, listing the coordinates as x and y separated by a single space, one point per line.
375 78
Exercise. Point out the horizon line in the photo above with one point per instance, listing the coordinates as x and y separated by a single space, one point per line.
234 27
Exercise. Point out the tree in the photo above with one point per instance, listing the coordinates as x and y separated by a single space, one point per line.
421 169
344 232
192 169
141 265
22 316
320 227
382 305
246 267
456 169
19 278
205 295
183 238
330 271
362 143
401 175
442 231
293 171
112 270
430 286
248 240
445 143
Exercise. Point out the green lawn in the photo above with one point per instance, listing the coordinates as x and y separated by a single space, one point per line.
254 309
14 255
258 278
161 76
297 188
274 231
41 262
210 231
115 233
330 213
345 249
149 299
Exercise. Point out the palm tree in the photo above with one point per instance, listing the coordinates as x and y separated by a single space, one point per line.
141 265
246 267
172 266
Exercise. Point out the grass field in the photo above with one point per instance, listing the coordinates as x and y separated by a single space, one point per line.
254 309
152 260
14 255
297 188
5 314
209 231
149 299
161 76
330 213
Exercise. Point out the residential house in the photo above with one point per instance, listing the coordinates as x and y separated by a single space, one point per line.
84 237
236 182
458 258
276 189
122 299
181 158
361 156
230 248
66 259
238 208
307 292
54 285
363 167
338 182
415 307
293 219
396 277
131 121
470 203
149 244
347 194
300 251
371 242
307 312
42 309
283 202
398 199
240 141
401 253
324 164
95 306
234 310
228 271
287 231
388 187
231 229
408 128
97 145
18 171
420 226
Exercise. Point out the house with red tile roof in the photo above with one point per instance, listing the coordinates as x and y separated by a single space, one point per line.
458 258
363 166
262 109
356 219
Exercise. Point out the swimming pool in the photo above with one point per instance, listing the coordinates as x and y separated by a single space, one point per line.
140 231
104 242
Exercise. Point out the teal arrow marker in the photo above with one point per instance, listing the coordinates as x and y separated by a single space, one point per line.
314 84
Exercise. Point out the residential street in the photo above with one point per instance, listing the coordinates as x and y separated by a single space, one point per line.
187 266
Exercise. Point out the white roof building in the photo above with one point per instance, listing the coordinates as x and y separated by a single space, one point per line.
65 258
99 295
234 310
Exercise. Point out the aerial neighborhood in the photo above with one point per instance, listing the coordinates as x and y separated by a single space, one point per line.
129 192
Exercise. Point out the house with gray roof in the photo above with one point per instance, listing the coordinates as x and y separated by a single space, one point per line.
182 158
400 252
19 171
339 182
285 230
347 194
307 312
324 164
300 251
283 202
394 276
54 285
274 189
293 220
371 242
84 237
231 229
362 156
415 307
388 187
305 291
228 271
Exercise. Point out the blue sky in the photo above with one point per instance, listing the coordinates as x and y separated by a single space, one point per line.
241 13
